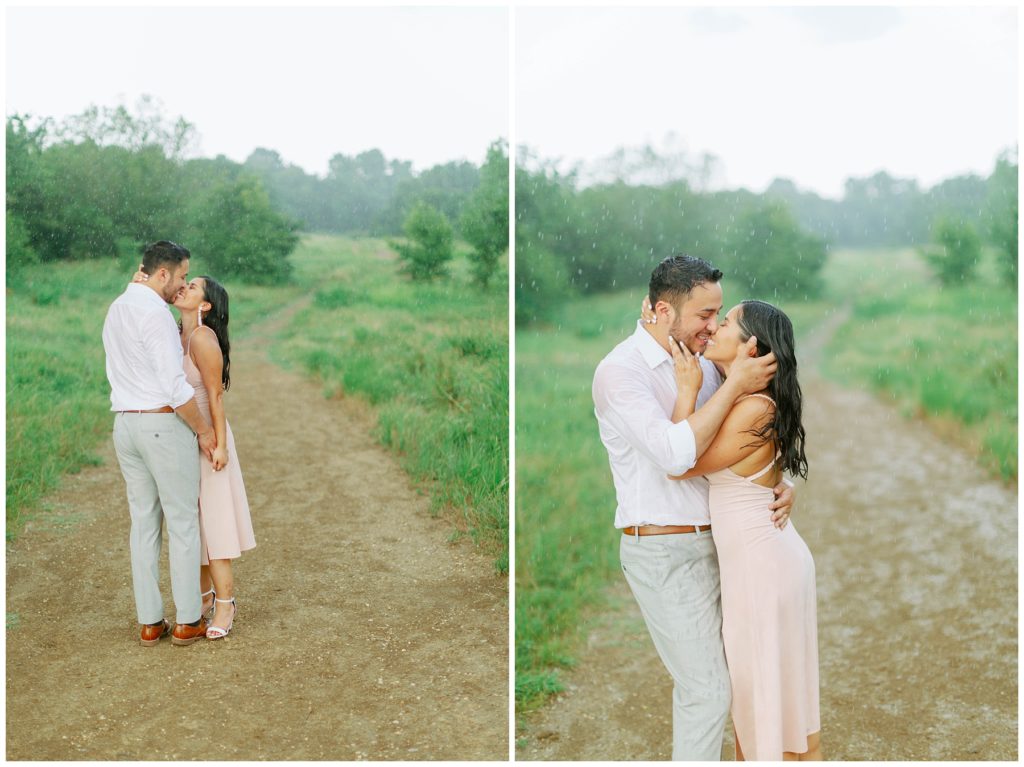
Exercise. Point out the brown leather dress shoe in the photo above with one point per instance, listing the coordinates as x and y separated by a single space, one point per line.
150 635
184 634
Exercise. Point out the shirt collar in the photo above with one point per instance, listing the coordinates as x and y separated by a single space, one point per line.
650 349
147 291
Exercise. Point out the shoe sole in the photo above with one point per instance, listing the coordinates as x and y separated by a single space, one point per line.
150 642
182 642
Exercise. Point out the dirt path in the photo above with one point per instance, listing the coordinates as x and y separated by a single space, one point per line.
916 555
361 633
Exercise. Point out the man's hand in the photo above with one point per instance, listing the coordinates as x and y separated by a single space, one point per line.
782 505
752 374
689 375
207 442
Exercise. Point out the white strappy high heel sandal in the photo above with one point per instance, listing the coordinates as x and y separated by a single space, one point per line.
216 632
208 614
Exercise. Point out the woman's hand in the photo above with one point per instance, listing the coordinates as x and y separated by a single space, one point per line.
647 312
689 375
220 458
140 276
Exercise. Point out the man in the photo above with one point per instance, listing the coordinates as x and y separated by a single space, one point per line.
666 550
156 430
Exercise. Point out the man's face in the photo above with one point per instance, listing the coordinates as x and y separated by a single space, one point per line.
697 319
175 282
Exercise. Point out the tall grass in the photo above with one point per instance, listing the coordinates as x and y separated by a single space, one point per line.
58 399
433 359
946 354
565 540
942 353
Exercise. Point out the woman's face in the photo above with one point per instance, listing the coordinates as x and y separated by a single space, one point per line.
191 296
723 345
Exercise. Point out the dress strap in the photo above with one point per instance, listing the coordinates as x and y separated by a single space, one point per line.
188 343
771 463
762 396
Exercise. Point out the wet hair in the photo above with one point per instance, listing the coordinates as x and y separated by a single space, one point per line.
217 320
163 253
774 333
674 278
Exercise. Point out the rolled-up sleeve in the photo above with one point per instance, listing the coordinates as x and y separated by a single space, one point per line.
164 349
629 406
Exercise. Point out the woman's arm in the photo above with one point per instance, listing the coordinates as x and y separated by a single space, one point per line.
734 440
205 352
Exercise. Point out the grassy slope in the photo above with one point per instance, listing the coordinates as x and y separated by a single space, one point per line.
949 353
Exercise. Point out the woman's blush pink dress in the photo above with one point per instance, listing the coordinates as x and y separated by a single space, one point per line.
769 619
225 526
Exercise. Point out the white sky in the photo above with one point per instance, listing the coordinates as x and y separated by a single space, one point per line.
812 94
423 84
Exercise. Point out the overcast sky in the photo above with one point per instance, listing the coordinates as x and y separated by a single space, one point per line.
423 84
813 94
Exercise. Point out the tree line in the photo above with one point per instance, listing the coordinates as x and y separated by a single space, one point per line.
100 183
576 239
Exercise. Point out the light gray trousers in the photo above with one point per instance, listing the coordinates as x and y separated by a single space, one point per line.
159 458
674 579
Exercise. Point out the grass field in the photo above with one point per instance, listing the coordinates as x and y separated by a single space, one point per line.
948 355
58 399
432 359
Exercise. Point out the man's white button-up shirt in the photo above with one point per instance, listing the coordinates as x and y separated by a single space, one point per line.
144 357
634 394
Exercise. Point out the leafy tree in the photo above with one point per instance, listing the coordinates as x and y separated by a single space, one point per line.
19 249
239 234
956 252
1001 208
429 249
767 255
485 219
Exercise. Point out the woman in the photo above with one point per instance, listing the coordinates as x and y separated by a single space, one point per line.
225 527
769 616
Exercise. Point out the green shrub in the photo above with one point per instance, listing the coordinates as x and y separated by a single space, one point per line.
956 253
429 249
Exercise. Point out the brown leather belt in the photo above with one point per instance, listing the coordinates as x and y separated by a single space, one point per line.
664 529
164 409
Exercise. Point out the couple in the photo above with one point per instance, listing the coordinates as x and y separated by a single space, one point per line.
700 419
174 445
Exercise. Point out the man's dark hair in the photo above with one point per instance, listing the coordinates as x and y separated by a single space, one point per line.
674 278
163 253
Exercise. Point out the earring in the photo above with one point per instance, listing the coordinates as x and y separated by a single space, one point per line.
199 315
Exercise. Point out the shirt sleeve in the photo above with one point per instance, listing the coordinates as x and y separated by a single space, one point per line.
628 404
163 347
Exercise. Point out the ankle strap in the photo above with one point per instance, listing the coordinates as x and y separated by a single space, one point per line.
224 600
211 591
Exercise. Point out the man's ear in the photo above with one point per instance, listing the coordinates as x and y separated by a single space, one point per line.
664 309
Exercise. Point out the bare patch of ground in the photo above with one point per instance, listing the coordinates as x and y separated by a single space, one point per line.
362 632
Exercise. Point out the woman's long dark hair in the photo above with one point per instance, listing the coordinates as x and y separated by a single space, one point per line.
217 320
774 333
